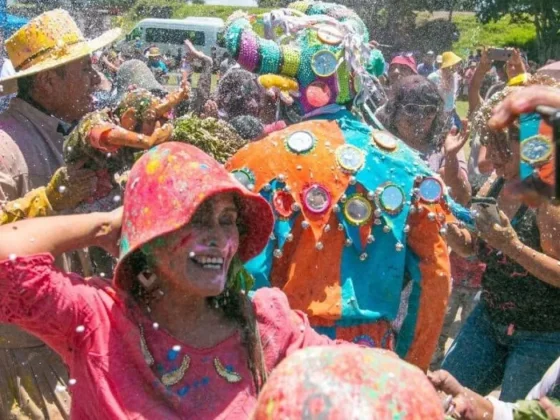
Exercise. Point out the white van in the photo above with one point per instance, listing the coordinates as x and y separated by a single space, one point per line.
170 34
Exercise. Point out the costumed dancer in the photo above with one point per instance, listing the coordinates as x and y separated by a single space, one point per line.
358 242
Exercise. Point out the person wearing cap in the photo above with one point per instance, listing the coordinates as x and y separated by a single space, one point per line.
176 334
428 64
401 66
155 62
447 81
54 79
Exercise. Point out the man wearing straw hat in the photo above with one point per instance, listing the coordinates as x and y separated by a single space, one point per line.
55 82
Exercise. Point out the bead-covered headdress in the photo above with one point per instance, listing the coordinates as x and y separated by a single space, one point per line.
320 50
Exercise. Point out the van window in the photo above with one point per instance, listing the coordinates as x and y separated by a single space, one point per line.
174 36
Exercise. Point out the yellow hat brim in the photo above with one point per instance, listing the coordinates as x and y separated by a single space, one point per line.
451 62
72 53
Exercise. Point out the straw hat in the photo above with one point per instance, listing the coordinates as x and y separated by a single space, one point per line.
449 59
48 41
154 52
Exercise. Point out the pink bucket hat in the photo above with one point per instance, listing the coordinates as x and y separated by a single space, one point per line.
165 188
407 61
347 382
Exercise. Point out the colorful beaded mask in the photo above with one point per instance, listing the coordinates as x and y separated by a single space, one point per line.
322 47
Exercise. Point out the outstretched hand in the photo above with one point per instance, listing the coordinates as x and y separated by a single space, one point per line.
455 140
109 236
70 185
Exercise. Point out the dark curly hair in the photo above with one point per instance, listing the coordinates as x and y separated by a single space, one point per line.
421 91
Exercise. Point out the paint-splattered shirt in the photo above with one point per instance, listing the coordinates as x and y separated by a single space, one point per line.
97 332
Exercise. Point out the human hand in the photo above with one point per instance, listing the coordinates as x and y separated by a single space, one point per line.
459 405
523 101
210 109
552 410
161 134
70 185
485 64
455 140
501 235
109 235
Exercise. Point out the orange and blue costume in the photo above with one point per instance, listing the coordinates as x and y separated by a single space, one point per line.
358 241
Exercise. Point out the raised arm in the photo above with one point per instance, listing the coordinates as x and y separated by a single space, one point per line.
484 66
59 234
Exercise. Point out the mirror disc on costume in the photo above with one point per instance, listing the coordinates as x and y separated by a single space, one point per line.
350 158
357 210
536 149
392 199
245 177
430 190
330 35
324 63
300 142
316 199
283 203
384 140
318 94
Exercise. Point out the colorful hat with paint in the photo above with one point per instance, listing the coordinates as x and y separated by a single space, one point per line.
51 40
347 382
320 49
165 188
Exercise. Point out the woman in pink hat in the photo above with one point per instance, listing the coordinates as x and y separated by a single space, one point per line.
176 335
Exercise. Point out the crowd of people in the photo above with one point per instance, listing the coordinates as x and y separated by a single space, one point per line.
295 243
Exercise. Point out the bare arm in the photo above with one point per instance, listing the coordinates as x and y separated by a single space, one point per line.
60 234
475 100
461 241
502 236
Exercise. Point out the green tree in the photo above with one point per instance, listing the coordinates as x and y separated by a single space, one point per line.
544 14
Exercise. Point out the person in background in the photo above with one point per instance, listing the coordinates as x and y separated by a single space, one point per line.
428 64
54 90
447 80
480 166
156 63
401 66
439 60
415 113
513 334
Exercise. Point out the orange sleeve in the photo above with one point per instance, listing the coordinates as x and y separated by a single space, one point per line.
430 247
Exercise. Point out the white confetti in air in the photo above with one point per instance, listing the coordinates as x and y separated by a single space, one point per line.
62 189
117 198
60 388
102 275
192 254
80 329
12 257
177 348
155 325
72 382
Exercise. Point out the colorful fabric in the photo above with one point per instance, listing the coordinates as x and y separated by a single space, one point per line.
319 44
347 383
97 332
34 204
320 177
165 188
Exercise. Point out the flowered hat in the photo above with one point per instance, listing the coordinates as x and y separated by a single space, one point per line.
347 382
165 188
322 48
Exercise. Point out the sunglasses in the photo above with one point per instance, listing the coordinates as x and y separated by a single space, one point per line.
416 110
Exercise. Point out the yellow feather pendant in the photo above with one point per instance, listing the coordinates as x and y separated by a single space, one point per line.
174 377
231 377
